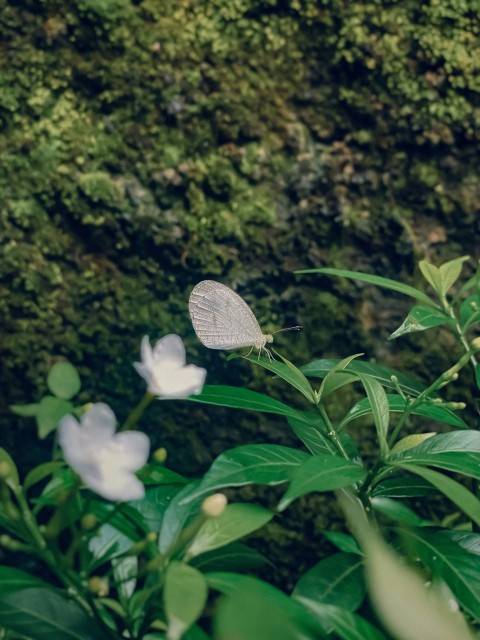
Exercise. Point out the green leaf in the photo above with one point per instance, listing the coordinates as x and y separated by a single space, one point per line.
458 451
380 410
379 281
321 473
404 486
333 381
287 371
41 472
238 398
31 607
450 272
443 277
470 311
233 557
63 380
320 368
268 464
477 375
10 476
177 515
125 572
451 563
342 541
431 273
153 506
50 411
156 474
421 319
342 623
25 410
336 580
396 510
255 610
106 544
456 492
224 581
397 404
185 595
411 441
236 521
403 603
309 431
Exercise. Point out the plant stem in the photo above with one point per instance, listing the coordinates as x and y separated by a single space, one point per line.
137 413
332 434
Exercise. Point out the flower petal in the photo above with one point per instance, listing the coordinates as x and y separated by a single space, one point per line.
182 382
136 446
169 352
99 421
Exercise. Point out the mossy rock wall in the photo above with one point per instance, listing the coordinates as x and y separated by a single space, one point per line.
148 145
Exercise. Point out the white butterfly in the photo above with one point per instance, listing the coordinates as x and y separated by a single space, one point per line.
222 320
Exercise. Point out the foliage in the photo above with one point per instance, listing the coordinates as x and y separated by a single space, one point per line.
145 568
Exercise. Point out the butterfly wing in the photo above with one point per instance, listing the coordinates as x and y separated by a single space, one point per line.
221 319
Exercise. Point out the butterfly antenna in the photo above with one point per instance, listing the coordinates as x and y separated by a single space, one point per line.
297 328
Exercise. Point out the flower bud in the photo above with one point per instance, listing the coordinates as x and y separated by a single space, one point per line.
160 455
98 586
455 406
89 521
475 344
214 505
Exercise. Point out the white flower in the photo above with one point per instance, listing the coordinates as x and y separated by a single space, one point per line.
103 459
164 369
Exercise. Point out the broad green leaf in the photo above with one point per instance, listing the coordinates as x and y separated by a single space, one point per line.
396 510
477 375
403 603
380 411
450 272
468 541
333 381
125 572
63 380
123 517
457 451
287 371
153 506
255 610
411 441
311 430
106 544
455 491
233 557
25 410
178 515
268 464
431 273
336 580
155 474
224 581
397 404
10 473
343 541
404 486
451 563
185 595
379 281
238 398
420 319
321 473
342 623
470 311
41 472
236 521
31 607
320 368
50 411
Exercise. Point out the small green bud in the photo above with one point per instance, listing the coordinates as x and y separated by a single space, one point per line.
89 521
98 586
475 344
455 406
160 455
